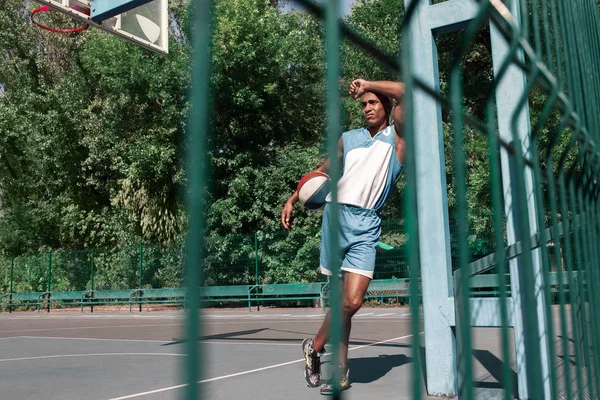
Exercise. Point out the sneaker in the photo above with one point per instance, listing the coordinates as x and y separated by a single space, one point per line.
312 364
327 389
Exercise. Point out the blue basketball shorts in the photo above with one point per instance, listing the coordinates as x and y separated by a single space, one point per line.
359 231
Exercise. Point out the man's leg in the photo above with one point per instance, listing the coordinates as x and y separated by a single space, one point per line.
355 288
312 349
323 334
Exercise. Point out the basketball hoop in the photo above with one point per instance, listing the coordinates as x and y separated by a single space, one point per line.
44 9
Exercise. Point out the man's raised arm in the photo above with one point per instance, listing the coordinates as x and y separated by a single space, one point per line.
394 90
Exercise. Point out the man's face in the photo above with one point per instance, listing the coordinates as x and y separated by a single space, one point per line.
373 110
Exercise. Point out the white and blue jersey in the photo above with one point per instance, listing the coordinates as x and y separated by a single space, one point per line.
370 171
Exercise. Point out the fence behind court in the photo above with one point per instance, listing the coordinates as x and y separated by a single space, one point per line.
254 259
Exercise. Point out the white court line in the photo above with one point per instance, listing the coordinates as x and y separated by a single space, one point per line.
250 343
386 314
363 315
154 325
93 339
91 355
131 396
283 321
266 343
92 327
54 317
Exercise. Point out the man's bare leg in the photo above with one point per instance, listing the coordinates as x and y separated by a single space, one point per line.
323 334
354 289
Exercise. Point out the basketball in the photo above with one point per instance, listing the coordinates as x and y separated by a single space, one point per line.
313 189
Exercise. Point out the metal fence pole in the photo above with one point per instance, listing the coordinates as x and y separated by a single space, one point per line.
197 134
256 256
92 281
10 284
141 271
92 271
49 280
332 54
411 199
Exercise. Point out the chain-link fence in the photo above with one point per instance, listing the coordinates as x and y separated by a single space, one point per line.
254 259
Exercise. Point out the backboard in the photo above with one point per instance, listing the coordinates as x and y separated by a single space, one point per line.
146 25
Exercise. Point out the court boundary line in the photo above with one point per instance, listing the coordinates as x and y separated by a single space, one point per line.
71 328
264 343
218 378
93 339
380 320
90 355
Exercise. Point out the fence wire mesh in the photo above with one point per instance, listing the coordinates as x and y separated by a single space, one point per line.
253 259
543 182
526 126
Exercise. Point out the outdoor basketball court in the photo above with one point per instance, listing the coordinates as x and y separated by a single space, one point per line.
67 355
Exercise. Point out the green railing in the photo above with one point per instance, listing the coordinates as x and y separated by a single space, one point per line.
254 259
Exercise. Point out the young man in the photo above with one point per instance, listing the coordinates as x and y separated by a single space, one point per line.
373 159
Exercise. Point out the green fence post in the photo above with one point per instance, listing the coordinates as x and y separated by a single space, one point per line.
256 268
10 285
49 280
256 256
198 132
332 57
92 281
141 271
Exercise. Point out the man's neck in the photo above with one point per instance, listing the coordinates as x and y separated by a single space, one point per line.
374 130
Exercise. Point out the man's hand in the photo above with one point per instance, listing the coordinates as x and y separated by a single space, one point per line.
358 87
286 215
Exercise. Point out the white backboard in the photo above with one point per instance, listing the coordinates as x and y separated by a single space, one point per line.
146 26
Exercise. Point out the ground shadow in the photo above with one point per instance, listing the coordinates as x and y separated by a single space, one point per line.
494 366
370 369
423 367
222 336
251 336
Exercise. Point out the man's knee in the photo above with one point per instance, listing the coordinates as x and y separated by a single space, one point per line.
352 304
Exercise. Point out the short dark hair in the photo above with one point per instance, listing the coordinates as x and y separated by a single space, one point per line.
385 100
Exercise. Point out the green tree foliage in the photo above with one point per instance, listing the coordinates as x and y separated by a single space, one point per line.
91 126
268 106
91 144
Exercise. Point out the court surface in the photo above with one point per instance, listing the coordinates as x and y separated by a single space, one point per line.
257 354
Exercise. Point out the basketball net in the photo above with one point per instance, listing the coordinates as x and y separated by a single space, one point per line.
57 34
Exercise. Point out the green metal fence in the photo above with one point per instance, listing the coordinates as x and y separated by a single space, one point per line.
544 189
254 259
543 182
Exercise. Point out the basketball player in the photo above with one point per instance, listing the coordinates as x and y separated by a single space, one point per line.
373 159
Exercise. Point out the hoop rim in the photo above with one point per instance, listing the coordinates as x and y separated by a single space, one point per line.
55 30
